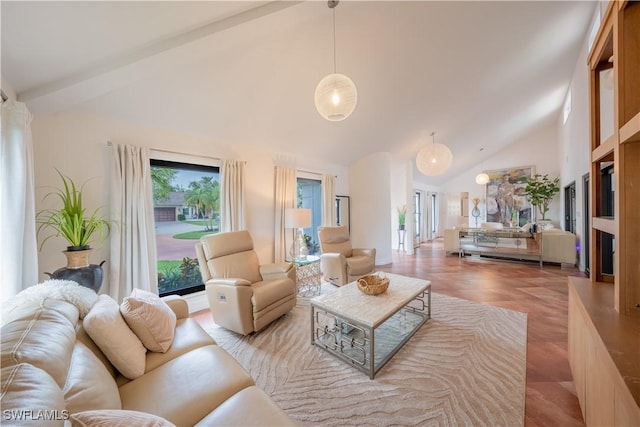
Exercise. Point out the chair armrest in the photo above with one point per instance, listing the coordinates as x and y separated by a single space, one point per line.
178 305
278 270
228 282
365 251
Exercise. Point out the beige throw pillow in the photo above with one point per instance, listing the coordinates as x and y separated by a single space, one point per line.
114 418
150 318
110 332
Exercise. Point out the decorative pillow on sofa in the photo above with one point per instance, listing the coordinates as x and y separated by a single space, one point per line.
110 332
117 418
150 318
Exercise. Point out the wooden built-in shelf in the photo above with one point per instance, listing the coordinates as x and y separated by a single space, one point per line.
604 150
630 132
604 355
608 225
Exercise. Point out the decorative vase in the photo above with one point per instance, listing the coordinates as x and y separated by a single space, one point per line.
79 270
401 227
77 258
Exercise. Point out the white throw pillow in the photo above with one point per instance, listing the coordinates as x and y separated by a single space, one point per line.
110 332
150 318
121 418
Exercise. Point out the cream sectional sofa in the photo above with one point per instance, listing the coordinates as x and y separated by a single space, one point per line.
558 246
51 370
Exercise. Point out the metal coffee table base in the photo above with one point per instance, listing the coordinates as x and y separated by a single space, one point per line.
369 348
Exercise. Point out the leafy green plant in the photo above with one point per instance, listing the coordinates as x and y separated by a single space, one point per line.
402 215
172 276
71 221
540 190
312 246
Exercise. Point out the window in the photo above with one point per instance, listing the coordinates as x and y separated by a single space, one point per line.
566 110
186 206
310 197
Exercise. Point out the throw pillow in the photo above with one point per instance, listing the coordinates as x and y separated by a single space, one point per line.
110 332
150 318
117 418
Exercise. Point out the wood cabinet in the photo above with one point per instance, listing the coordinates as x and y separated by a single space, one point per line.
604 311
604 354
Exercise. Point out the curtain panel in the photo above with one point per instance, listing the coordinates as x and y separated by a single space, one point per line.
132 237
285 197
18 245
232 196
328 200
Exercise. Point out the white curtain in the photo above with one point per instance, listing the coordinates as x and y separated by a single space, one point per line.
442 213
328 200
232 196
18 245
285 197
132 238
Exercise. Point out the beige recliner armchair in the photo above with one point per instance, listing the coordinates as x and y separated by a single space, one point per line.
244 296
340 263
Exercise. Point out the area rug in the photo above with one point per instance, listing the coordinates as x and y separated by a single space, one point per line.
465 366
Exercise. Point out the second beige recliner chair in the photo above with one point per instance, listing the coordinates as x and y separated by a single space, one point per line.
244 296
340 262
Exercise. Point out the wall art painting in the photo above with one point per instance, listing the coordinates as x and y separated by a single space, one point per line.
506 200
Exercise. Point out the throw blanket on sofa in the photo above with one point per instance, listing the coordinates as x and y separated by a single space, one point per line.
64 290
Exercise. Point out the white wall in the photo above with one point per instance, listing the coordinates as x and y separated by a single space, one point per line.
76 144
370 189
539 148
573 143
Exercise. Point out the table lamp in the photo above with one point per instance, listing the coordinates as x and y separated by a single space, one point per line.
298 219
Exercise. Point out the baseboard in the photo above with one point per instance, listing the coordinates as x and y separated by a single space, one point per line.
197 301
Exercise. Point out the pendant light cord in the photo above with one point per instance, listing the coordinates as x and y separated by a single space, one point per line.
334 40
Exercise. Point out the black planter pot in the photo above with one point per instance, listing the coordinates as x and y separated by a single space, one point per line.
89 277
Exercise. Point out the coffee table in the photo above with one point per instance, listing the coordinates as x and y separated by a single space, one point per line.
366 330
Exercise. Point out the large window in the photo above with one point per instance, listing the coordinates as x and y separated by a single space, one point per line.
186 206
310 197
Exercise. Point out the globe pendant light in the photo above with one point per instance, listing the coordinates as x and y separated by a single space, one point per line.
336 96
434 159
482 178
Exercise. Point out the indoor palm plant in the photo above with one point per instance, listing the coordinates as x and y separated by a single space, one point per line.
540 190
78 227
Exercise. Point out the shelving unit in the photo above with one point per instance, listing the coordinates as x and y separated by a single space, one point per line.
604 312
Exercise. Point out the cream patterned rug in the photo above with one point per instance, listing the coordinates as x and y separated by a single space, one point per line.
465 366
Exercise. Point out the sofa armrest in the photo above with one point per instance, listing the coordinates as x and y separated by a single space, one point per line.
178 305
228 282
370 252
278 270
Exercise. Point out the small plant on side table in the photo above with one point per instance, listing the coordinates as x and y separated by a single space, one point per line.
402 216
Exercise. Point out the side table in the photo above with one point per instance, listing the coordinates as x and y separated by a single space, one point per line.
307 275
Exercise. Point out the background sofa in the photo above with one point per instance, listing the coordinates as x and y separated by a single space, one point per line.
558 246
52 368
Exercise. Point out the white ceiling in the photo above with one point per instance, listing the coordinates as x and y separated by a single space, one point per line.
479 74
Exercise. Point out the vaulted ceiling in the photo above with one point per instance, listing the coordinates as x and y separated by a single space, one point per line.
479 74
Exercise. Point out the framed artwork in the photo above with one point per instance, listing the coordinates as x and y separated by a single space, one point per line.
505 198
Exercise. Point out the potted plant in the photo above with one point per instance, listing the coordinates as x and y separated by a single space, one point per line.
540 190
402 216
78 228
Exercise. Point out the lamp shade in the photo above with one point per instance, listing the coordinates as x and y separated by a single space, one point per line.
336 97
297 218
435 159
482 178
